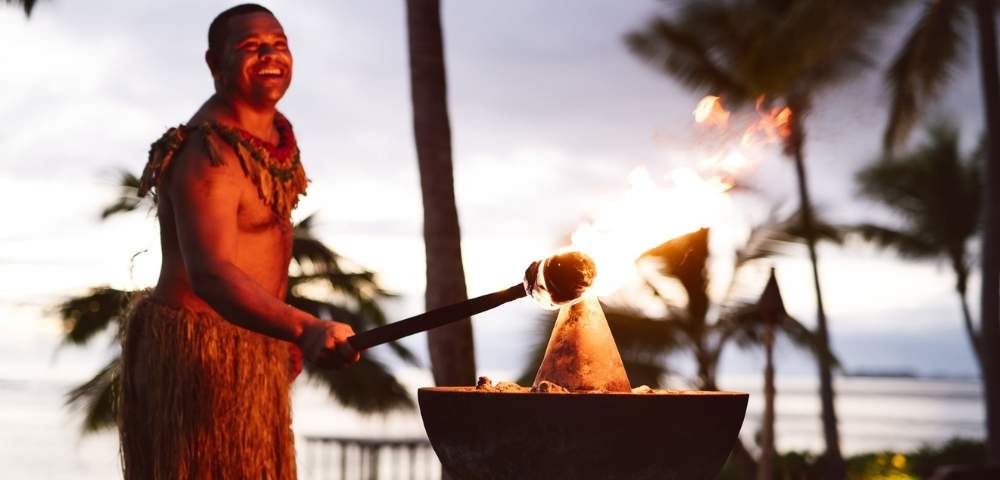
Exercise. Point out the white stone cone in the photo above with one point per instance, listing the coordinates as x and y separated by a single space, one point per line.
582 355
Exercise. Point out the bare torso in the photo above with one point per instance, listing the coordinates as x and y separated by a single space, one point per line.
262 245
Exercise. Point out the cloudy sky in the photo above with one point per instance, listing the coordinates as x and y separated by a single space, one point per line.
550 113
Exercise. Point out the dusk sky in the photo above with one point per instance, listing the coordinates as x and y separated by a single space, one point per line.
549 113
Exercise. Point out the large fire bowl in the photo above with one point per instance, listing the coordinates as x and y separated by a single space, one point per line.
685 435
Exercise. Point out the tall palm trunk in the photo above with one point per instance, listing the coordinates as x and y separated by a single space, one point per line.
451 347
961 287
834 468
990 301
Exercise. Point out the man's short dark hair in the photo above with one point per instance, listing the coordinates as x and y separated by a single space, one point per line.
217 30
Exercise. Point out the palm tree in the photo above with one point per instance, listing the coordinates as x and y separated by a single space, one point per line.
935 194
451 348
781 52
920 71
351 295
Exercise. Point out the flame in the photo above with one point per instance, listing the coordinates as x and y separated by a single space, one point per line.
772 126
645 216
728 161
710 112
648 214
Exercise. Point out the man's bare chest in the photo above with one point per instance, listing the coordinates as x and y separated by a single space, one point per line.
255 217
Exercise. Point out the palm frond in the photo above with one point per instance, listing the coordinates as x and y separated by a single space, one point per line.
85 316
361 284
794 228
906 244
775 235
682 54
745 49
922 67
95 398
686 258
366 386
800 335
761 243
643 344
811 45
933 191
311 252
27 5
744 324
318 263
128 200
641 335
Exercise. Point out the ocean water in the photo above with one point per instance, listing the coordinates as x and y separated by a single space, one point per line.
873 413
39 438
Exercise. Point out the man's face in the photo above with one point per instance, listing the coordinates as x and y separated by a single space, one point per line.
254 64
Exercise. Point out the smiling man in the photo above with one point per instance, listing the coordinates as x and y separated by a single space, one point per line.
210 353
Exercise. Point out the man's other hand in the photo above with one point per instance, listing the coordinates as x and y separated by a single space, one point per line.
324 344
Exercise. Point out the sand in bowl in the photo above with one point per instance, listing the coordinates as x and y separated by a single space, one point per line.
485 384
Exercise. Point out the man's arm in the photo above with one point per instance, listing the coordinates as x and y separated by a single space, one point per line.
205 200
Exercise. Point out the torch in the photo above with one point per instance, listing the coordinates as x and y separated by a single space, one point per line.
557 280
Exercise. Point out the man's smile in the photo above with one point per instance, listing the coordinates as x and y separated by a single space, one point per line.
271 71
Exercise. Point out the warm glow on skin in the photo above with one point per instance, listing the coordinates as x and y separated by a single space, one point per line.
254 66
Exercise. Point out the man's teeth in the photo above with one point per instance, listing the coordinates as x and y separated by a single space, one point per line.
270 71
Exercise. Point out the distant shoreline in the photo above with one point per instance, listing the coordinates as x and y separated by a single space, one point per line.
909 374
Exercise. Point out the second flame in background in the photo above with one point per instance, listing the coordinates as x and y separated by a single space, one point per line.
651 212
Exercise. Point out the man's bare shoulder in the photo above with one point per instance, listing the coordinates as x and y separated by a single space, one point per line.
204 159
204 153
200 150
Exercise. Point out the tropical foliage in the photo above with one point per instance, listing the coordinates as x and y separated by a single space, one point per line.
917 77
935 194
932 51
774 52
321 282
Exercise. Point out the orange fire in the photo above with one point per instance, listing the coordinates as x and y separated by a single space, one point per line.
650 212
710 112
773 125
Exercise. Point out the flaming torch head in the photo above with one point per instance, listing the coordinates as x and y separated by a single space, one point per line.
560 279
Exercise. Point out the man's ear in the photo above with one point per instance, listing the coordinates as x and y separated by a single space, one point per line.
212 61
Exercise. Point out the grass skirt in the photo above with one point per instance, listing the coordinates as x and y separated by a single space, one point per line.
202 398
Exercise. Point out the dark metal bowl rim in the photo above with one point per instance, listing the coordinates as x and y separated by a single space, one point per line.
671 393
